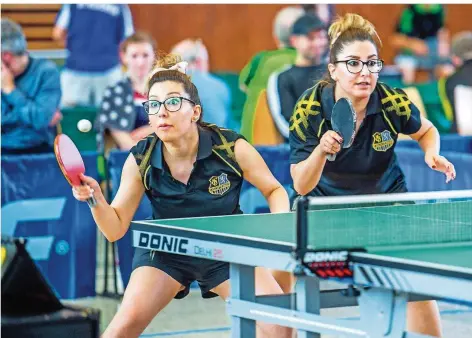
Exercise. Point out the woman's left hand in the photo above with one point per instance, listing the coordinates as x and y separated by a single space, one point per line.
440 163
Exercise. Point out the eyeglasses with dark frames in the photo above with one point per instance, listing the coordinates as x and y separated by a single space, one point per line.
356 66
172 104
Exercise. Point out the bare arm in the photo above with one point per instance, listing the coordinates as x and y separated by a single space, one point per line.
114 219
443 35
401 41
59 34
427 137
306 174
429 140
63 19
258 174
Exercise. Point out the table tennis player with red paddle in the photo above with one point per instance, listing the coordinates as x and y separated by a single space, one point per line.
343 121
70 161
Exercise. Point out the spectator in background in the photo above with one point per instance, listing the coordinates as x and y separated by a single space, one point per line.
325 12
214 93
31 94
121 113
92 34
421 39
310 39
462 60
254 76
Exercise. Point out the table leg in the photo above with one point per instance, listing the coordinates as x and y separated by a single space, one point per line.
242 280
383 312
308 300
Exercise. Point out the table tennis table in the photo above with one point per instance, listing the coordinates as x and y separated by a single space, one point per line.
385 249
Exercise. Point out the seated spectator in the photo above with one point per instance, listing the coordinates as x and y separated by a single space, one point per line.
421 39
92 34
325 12
121 113
31 93
214 92
310 39
462 60
253 78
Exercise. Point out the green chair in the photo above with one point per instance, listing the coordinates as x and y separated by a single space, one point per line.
68 125
269 62
84 141
431 95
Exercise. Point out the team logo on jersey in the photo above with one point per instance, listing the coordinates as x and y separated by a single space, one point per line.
219 184
382 141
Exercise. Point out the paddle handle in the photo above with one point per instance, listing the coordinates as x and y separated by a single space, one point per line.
331 157
92 202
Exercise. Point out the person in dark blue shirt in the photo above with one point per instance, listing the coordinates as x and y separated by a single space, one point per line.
30 96
187 168
369 165
92 34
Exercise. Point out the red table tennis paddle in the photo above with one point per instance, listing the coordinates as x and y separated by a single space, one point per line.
70 161
343 121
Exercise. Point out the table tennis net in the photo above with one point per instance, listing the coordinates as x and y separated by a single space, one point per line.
371 223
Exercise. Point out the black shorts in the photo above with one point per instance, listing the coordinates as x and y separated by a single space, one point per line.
185 270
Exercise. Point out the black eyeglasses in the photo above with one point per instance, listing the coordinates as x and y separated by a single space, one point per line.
355 66
172 104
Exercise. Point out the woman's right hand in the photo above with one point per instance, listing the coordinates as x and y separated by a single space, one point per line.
330 142
87 190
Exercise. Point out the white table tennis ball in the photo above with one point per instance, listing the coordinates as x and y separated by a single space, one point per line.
84 125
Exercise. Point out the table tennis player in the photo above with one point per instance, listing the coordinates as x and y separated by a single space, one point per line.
369 165
187 169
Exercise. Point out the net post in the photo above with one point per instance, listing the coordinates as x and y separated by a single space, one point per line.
301 231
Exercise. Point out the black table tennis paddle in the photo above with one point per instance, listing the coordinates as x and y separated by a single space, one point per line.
343 121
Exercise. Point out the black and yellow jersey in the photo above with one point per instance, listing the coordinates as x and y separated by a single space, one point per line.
370 164
214 185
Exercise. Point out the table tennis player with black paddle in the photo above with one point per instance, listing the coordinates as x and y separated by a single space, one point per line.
70 161
343 122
